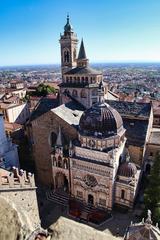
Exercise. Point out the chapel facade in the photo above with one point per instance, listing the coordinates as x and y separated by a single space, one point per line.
97 169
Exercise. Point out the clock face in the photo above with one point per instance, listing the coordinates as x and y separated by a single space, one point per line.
92 143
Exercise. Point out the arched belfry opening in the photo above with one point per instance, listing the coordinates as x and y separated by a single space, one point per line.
66 56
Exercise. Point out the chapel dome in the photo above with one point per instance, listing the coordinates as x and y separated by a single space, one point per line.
100 120
127 169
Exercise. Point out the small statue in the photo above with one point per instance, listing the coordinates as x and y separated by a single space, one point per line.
149 214
149 220
127 155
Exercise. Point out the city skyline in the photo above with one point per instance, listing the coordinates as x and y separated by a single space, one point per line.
120 32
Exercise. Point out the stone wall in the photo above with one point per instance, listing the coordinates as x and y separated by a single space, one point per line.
10 224
85 101
136 154
42 128
25 201
18 188
150 155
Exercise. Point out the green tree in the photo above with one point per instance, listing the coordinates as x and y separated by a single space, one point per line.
152 191
43 90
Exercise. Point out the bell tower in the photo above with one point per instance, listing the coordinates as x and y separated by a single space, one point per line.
68 42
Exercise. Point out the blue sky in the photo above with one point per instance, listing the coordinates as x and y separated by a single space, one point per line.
113 30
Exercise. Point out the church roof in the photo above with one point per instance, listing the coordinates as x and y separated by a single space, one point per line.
143 230
45 105
82 52
136 131
135 109
69 229
83 71
69 112
135 120
127 169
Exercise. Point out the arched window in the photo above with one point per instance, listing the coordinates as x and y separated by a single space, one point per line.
67 79
59 161
86 79
74 93
83 93
122 194
65 164
53 138
93 80
78 79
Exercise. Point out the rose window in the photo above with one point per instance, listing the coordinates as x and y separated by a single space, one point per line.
90 181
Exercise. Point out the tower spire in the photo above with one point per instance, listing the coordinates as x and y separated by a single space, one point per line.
82 60
82 52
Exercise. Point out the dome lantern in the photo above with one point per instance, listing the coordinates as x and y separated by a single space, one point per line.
68 27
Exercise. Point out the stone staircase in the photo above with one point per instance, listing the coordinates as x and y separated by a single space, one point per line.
58 197
62 198
88 209
83 209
